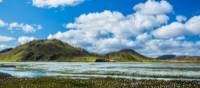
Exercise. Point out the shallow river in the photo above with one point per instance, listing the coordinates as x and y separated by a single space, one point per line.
160 71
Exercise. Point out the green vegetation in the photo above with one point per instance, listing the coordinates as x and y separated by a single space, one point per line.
125 56
192 60
56 50
48 82
46 50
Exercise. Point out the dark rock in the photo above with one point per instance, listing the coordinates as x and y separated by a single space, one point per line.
101 60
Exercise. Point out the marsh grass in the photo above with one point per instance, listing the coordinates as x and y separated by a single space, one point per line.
49 82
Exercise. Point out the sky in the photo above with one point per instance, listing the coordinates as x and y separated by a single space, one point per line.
150 27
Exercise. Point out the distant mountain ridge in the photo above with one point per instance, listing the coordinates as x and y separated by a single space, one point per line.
56 50
176 57
6 50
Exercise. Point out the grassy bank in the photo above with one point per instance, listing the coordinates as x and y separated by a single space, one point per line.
46 82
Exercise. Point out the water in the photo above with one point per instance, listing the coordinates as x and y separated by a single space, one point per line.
160 71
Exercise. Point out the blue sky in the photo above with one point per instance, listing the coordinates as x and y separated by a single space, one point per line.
26 20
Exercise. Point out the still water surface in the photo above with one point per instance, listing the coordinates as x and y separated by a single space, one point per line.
162 71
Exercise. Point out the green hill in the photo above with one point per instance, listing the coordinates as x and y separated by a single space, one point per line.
125 55
56 50
46 50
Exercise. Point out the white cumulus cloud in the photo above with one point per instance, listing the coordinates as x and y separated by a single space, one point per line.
181 18
107 31
2 23
154 7
25 39
24 27
6 38
177 29
174 29
171 46
193 25
143 37
146 30
55 3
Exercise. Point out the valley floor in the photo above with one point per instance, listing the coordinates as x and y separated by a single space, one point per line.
47 82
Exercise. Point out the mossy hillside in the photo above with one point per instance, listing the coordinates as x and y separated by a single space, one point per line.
44 50
125 55
56 50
